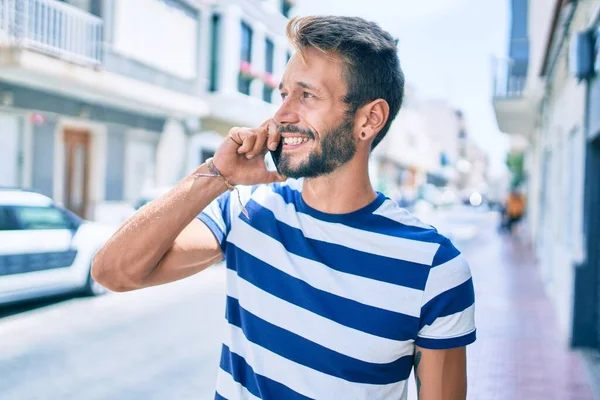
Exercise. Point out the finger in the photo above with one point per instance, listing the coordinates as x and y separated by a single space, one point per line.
248 138
273 136
236 135
259 143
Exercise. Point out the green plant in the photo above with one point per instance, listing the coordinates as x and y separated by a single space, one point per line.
515 161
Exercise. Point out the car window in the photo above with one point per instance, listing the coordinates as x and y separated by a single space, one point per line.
42 218
7 220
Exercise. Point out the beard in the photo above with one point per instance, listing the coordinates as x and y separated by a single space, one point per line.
338 146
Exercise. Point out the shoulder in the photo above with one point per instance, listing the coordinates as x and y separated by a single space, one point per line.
397 221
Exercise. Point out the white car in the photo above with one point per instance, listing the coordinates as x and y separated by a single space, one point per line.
45 249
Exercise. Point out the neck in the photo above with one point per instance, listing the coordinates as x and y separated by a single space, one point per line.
345 190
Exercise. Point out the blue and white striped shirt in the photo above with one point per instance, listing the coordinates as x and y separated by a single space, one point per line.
326 306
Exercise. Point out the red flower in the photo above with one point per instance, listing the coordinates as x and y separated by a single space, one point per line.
246 68
269 80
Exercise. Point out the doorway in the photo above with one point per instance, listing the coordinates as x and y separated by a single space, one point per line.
592 222
77 169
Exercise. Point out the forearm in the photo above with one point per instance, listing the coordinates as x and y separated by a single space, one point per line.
130 256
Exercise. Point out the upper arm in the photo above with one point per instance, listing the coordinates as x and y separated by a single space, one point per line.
447 326
441 374
447 318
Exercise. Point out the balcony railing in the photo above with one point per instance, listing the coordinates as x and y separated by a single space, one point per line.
509 78
53 28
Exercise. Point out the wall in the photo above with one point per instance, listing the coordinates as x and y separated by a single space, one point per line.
561 144
43 157
10 149
163 35
140 164
115 163
539 20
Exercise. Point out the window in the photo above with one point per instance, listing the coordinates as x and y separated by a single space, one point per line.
286 7
43 218
269 52
545 200
205 155
7 220
214 53
246 55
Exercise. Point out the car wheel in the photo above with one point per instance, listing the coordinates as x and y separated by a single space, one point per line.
93 288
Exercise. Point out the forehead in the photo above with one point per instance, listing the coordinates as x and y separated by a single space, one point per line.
318 69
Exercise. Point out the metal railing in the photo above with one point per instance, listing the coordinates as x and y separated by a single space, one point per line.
53 28
509 78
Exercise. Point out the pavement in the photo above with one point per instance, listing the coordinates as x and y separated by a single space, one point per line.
519 353
164 342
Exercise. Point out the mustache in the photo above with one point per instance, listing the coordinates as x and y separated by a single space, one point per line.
295 129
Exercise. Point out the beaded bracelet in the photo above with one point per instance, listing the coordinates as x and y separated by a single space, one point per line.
215 173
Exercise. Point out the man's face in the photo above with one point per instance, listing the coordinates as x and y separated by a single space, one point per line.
317 133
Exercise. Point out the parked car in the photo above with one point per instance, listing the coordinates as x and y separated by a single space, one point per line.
44 248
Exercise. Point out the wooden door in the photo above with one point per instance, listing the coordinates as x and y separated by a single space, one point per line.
77 168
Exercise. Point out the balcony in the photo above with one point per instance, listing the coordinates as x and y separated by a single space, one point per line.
53 28
57 48
515 111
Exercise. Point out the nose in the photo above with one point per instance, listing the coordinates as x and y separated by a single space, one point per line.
286 114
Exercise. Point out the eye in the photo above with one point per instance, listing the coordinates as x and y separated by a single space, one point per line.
308 95
283 95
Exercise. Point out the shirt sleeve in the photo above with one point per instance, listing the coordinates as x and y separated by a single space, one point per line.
448 307
217 216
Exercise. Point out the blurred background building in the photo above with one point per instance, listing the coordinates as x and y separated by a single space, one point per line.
428 155
245 54
89 89
99 106
545 96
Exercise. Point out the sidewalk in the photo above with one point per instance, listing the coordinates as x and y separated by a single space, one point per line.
518 353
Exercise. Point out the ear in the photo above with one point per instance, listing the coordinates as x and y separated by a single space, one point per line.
372 119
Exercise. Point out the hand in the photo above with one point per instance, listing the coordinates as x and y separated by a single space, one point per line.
240 158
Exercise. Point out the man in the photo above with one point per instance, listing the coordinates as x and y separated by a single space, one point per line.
333 291
515 207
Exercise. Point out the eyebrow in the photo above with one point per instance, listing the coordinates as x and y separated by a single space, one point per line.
303 85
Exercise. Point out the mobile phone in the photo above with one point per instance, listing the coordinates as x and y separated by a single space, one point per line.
276 155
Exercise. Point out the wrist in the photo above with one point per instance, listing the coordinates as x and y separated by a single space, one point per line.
214 184
220 169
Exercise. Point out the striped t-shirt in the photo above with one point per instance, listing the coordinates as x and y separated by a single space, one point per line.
331 306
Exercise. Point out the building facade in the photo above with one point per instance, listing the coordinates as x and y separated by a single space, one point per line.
427 154
98 106
86 104
245 54
553 111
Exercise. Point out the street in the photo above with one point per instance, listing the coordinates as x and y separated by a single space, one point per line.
164 342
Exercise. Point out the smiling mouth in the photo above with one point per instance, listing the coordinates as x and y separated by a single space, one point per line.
294 141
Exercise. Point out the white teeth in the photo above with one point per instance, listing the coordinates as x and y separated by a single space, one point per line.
294 140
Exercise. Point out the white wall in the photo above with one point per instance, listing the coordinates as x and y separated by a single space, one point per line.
10 136
560 235
157 34
140 163
204 141
170 154
540 18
